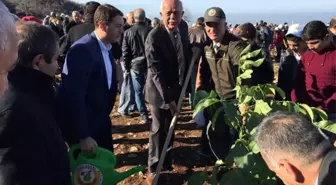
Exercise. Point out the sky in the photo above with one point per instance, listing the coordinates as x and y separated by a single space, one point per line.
233 7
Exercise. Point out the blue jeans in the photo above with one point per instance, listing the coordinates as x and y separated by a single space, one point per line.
126 103
139 80
193 78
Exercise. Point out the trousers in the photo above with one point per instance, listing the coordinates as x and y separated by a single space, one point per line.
161 120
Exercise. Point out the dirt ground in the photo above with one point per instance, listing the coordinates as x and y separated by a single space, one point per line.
131 147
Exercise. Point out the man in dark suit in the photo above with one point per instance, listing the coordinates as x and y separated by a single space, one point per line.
164 53
296 150
87 93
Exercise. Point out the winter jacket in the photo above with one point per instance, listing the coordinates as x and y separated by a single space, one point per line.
32 150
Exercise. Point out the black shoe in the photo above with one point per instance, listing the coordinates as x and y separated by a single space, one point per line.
125 115
145 119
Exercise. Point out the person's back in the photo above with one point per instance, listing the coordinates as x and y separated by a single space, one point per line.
135 38
28 119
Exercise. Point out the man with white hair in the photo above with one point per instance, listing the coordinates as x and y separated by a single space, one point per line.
164 54
8 46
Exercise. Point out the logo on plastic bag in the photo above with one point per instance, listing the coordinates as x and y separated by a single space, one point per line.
86 174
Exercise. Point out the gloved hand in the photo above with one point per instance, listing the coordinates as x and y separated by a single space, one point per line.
200 119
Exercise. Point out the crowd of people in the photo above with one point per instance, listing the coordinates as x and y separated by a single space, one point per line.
99 53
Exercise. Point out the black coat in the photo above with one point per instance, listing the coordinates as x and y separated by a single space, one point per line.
328 169
133 47
32 150
162 85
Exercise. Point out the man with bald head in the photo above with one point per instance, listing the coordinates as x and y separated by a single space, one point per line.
129 20
164 54
133 55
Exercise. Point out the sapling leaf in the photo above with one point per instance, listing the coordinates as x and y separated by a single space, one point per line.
215 116
250 55
262 107
247 74
309 111
198 178
199 95
246 50
323 115
205 104
326 125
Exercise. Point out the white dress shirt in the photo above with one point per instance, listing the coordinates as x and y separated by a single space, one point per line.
106 55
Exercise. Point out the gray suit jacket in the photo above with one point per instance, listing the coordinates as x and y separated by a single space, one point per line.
162 85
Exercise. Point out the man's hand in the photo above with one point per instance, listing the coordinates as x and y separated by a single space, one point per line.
173 107
88 145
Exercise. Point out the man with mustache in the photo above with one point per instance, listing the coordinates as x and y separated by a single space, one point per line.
165 58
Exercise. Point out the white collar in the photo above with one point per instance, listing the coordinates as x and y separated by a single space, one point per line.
102 45
216 44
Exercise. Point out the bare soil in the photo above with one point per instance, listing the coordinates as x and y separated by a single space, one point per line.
131 148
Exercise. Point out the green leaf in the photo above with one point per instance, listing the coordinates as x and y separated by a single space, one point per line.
212 94
213 178
277 106
199 95
235 177
198 178
203 105
262 107
249 63
326 125
250 55
247 74
253 119
240 154
309 111
323 115
254 147
247 99
215 116
246 50
280 92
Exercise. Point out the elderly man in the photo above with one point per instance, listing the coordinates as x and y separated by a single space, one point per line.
28 119
135 60
164 53
8 46
76 19
296 150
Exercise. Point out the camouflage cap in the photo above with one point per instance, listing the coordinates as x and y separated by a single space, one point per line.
214 14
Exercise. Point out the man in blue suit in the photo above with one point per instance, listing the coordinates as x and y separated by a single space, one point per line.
87 93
